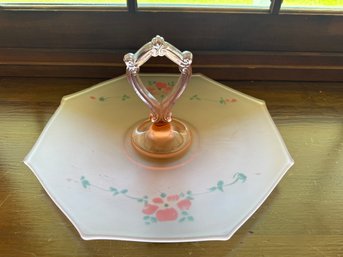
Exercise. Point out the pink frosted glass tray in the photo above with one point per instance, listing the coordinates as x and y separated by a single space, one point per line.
86 164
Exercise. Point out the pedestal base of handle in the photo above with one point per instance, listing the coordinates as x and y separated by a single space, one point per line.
162 141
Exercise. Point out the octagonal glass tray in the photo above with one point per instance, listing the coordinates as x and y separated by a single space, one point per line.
85 162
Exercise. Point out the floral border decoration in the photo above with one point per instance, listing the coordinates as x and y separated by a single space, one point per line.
166 207
160 89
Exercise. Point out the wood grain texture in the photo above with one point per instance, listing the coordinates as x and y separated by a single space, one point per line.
228 46
221 65
186 30
302 216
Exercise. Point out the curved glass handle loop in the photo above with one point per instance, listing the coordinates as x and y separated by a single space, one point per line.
160 111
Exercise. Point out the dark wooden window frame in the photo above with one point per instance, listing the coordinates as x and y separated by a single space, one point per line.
237 45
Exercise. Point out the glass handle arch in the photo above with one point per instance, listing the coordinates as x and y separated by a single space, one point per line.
162 136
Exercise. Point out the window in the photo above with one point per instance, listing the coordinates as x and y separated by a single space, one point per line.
319 5
66 2
240 39
70 3
205 4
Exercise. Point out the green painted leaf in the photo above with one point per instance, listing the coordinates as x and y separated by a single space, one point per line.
114 191
189 192
181 194
125 97
182 219
85 183
140 200
124 191
184 213
213 189
153 219
190 218
241 176
194 97
163 195
220 183
146 217
189 198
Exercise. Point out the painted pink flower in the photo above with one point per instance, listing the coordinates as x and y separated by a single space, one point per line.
157 200
172 198
166 90
230 100
151 89
167 208
167 214
184 204
161 85
150 209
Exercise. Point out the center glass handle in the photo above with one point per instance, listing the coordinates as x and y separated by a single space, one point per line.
161 136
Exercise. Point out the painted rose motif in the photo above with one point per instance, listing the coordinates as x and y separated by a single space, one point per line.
160 89
221 100
164 208
123 97
167 208
164 87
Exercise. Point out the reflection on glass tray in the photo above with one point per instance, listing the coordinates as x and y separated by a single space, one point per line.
85 162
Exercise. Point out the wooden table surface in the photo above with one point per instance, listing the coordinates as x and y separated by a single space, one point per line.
302 217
